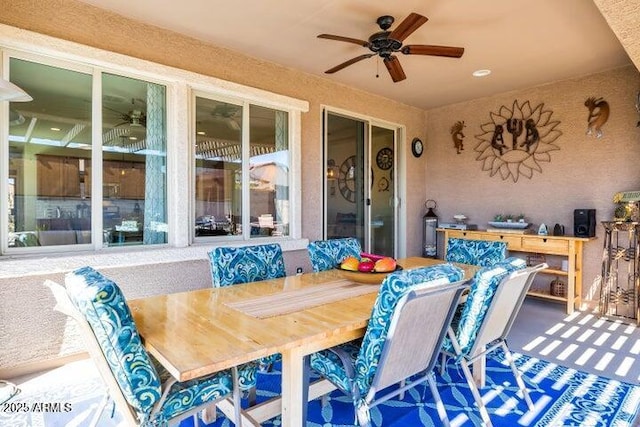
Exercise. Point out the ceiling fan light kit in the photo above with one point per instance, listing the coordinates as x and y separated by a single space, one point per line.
386 43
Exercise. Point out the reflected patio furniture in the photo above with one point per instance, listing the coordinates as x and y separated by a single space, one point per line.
483 323
475 252
327 254
397 343
209 225
237 265
143 391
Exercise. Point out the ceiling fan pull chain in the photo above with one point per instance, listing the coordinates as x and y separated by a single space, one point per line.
377 67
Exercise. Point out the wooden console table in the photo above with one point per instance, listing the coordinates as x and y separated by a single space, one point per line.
564 246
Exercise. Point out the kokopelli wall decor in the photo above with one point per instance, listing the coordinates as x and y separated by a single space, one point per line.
598 115
457 135
532 135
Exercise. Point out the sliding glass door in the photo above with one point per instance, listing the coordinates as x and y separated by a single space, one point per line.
359 182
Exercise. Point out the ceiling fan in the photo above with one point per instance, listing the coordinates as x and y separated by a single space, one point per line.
228 113
385 43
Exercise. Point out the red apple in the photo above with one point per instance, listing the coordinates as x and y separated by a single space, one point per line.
366 266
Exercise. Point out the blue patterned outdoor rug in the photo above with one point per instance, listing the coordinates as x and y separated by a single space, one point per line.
562 397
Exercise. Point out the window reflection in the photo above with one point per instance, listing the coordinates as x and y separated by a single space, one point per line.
269 172
219 180
218 188
49 157
134 162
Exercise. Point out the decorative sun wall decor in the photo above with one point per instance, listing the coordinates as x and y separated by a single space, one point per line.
532 133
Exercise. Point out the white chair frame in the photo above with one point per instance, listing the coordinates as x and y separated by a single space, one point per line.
497 323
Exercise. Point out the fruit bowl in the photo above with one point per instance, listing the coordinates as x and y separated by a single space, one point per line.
370 278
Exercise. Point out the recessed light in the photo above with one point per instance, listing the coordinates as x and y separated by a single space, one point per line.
201 133
481 73
55 129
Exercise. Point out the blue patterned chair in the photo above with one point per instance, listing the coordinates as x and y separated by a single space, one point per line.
481 326
475 252
408 323
327 254
237 265
244 264
144 392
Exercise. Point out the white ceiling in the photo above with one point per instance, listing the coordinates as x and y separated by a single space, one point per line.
524 42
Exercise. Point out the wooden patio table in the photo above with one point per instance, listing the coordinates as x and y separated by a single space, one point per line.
196 333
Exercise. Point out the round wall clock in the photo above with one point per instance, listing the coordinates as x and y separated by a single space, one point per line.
384 158
417 147
346 179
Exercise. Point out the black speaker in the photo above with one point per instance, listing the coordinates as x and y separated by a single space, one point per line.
584 222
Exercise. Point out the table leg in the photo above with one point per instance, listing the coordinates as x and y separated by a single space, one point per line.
479 371
293 395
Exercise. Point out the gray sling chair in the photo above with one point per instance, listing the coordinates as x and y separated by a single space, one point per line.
143 391
494 300
408 323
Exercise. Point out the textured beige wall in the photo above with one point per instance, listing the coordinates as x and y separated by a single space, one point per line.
584 173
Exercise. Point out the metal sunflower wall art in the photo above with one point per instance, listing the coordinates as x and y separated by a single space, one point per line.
516 140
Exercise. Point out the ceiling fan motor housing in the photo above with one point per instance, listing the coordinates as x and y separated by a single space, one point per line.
381 44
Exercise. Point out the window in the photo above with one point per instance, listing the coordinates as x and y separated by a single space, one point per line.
133 162
241 191
100 158
51 159
49 156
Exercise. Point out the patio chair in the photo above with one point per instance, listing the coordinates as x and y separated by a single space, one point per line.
475 252
493 302
237 265
244 264
144 392
327 254
407 326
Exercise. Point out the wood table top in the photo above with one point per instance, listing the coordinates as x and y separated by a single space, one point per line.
196 333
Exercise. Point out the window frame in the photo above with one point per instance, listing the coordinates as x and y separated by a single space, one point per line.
246 146
179 85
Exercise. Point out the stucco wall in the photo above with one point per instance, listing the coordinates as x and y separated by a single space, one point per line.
584 173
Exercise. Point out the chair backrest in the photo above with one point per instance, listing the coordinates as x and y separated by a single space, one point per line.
475 252
113 341
327 254
481 292
504 307
235 265
393 289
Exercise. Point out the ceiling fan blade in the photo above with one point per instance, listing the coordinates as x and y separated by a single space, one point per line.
395 69
349 62
423 49
344 39
408 26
